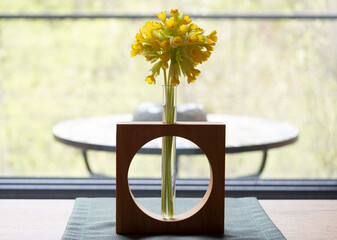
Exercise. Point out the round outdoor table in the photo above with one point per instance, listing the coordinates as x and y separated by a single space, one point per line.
243 134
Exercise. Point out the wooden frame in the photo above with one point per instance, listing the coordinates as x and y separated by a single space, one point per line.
205 218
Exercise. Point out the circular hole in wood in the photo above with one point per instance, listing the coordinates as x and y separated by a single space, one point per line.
192 177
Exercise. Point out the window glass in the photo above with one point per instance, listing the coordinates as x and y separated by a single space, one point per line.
57 70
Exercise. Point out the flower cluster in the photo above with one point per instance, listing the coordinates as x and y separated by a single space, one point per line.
175 44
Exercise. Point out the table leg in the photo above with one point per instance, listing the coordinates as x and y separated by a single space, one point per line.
85 156
86 160
262 166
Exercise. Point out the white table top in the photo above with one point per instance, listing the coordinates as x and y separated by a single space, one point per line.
242 134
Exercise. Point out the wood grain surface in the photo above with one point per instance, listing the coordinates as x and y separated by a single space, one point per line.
47 219
34 219
303 219
208 216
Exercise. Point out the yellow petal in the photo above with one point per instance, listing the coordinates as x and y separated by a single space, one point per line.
164 65
150 79
165 45
139 37
192 39
182 29
165 57
209 47
148 27
213 36
177 41
174 12
162 16
209 42
136 49
186 20
151 38
175 81
193 27
156 45
171 24
157 25
148 58
190 79
194 52
200 39
195 72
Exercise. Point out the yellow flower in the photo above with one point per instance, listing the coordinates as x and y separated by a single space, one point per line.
165 57
182 29
209 47
209 42
186 20
213 36
164 65
165 44
139 37
151 38
195 72
194 52
157 25
200 39
156 45
150 26
196 55
148 58
150 79
174 12
175 44
175 81
171 24
190 79
205 56
199 30
136 49
147 29
192 39
177 41
162 16
193 27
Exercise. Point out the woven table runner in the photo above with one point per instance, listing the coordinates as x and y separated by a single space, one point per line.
95 218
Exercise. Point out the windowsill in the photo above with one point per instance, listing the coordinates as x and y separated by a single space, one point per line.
70 188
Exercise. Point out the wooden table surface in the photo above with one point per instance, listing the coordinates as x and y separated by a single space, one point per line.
47 219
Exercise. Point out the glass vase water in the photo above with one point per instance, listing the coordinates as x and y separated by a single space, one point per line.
168 153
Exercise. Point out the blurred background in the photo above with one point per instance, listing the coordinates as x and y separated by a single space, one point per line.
56 70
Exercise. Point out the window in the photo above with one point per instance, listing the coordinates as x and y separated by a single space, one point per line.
270 66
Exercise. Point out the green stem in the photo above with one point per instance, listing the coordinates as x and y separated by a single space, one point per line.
169 177
168 153
165 78
167 197
163 185
164 149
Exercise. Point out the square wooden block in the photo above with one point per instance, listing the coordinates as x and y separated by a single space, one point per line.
205 218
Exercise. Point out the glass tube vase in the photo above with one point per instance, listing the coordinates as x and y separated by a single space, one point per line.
168 153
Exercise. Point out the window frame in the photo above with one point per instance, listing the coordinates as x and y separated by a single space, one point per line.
70 188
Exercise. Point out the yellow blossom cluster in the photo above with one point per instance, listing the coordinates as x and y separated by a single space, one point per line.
176 44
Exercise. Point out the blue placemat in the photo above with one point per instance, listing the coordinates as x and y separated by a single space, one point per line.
95 218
